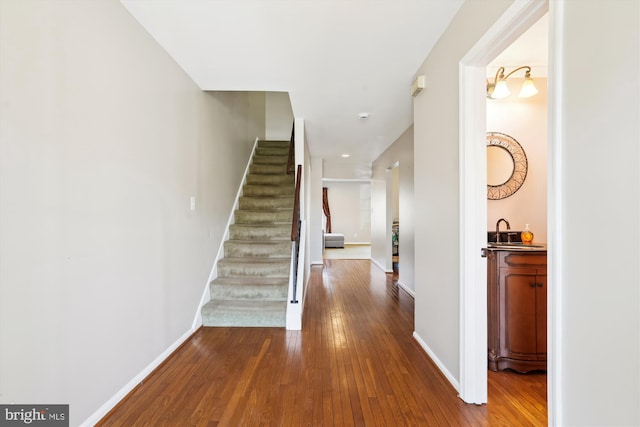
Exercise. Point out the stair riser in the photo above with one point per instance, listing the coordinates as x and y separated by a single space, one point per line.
268 169
274 144
256 269
245 232
266 191
269 320
263 292
269 250
265 217
268 179
272 151
270 160
260 203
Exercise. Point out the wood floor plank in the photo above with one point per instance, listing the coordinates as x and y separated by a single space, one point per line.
355 363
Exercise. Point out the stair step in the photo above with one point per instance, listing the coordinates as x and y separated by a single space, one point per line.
267 190
245 313
230 288
261 232
257 203
274 144
254 267
270 160
270 179
268 169
262 249
278 216
272 151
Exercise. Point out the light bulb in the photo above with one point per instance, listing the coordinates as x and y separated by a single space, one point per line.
528 88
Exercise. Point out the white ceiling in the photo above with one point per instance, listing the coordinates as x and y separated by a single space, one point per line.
336 58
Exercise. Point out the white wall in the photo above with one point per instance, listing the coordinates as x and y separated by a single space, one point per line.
400 153
525 119
596 191
436 181
278 116
350 205
103 140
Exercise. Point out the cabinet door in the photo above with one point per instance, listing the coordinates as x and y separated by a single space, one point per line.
541 315
518 314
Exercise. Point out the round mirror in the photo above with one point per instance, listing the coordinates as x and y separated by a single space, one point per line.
506 165
499 165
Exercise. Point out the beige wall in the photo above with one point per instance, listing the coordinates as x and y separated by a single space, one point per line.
278 116
383 207
597 197
436 180
525 119
103 141
594 296
350 205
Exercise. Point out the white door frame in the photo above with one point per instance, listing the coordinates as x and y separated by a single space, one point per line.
473 200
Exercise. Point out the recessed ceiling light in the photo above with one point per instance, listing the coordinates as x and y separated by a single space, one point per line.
345 155
364 115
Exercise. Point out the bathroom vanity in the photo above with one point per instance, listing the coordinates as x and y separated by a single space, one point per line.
517 307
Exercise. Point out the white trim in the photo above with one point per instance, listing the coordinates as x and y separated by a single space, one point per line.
473 206
408 290
317 262
448 375
554 213
206 295
142 375
377 264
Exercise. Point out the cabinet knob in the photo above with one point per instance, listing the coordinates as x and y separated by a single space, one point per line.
533 285
539 285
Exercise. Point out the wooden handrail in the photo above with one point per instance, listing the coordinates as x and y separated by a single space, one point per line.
296 207
292 151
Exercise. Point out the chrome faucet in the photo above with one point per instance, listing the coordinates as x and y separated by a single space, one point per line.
498 228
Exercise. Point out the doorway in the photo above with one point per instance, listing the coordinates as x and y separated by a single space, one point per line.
473 179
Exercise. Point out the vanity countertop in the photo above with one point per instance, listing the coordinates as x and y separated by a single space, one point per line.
535 247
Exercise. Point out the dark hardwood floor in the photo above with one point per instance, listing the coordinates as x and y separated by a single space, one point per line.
355 363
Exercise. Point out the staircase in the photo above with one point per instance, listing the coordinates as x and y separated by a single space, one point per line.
253 277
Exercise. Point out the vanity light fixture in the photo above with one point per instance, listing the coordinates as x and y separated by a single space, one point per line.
498 89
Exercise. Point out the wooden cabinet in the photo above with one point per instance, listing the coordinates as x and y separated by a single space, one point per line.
517 310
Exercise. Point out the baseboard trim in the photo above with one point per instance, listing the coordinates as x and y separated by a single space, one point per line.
126 391
377 264
438 362
407 289
317 263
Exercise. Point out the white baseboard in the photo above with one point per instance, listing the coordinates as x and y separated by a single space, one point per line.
124 391
437 361
407 289
381 267
317 263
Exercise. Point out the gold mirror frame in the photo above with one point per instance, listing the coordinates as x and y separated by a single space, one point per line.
520 165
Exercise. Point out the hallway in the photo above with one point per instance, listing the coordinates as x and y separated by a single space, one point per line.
355 363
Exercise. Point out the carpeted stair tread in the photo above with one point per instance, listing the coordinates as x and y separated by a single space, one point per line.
273 216
257 248
272 151
226 288
254 267
267 190
270 160
245 313
270 179
260 203
263 231
268 169
273 144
